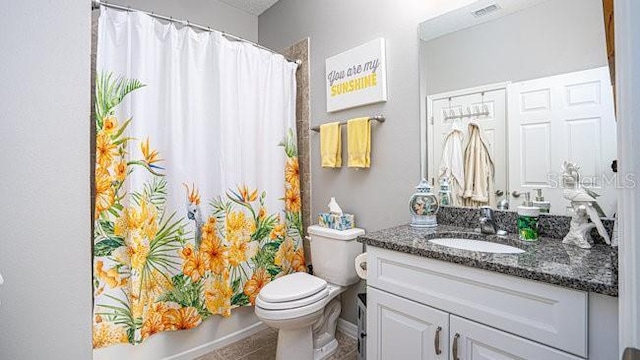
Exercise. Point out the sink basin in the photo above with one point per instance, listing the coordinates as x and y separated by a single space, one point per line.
477 245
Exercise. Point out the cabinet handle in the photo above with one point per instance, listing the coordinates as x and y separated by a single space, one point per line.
454 347
436 341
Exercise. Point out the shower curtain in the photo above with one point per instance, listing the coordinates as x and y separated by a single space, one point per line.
197 200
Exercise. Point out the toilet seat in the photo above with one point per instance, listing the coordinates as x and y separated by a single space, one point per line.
292 296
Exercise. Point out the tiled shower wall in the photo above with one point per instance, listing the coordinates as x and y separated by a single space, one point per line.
300 51
92 137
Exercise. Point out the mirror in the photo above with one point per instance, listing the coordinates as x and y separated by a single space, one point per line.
510 90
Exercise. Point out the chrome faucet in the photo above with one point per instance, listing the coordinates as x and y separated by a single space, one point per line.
487 222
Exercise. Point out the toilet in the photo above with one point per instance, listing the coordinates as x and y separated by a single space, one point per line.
304 308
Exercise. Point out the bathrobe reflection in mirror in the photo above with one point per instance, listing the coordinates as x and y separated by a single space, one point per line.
478 169
452 164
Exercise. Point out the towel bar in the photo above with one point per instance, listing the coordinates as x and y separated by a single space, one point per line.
378 118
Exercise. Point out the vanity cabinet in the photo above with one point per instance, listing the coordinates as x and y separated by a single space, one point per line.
421 308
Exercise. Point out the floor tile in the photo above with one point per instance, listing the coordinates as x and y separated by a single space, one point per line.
353 355
267 352
262 346
346 345
248 345
209 356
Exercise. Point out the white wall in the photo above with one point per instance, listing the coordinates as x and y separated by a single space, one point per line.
216 14
45 215
378 196
628 91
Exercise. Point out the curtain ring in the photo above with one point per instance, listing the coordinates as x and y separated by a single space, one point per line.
128 8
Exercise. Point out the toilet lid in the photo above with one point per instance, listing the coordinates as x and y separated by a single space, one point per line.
292 287
314 299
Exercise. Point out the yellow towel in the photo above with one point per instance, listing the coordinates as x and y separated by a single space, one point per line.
331 145
359 140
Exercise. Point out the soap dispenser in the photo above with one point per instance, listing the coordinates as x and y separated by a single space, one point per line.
545 206
445 193
528 220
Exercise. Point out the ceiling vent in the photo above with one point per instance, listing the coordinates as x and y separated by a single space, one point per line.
486 10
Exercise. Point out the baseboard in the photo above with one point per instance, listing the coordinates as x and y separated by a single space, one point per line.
348 328
218 343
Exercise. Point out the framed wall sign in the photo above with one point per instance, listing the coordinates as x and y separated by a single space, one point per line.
356 77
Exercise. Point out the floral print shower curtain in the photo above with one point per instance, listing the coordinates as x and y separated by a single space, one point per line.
197 187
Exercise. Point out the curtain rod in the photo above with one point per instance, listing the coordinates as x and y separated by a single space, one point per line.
96 4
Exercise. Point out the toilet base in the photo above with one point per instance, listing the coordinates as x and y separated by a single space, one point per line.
295 344
309 337
326 351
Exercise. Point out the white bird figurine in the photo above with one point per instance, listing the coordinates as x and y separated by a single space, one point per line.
194 213
583 201
334 208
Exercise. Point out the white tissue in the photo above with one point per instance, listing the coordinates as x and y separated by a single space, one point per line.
334 208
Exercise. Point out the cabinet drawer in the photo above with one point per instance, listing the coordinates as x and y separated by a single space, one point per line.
479 342
541 312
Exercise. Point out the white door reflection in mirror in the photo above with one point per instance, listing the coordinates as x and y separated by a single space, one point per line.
565 117
441 106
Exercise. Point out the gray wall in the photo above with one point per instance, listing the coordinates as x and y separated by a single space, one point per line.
378 196
45 215
216 14
45 255
552 38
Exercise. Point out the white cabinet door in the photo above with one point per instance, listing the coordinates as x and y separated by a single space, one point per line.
558 118
401 329
472 341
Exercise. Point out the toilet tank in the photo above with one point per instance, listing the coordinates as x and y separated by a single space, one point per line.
333 254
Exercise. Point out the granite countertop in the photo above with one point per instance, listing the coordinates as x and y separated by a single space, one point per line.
547 260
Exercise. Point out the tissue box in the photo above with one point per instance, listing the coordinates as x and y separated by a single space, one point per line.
336 221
